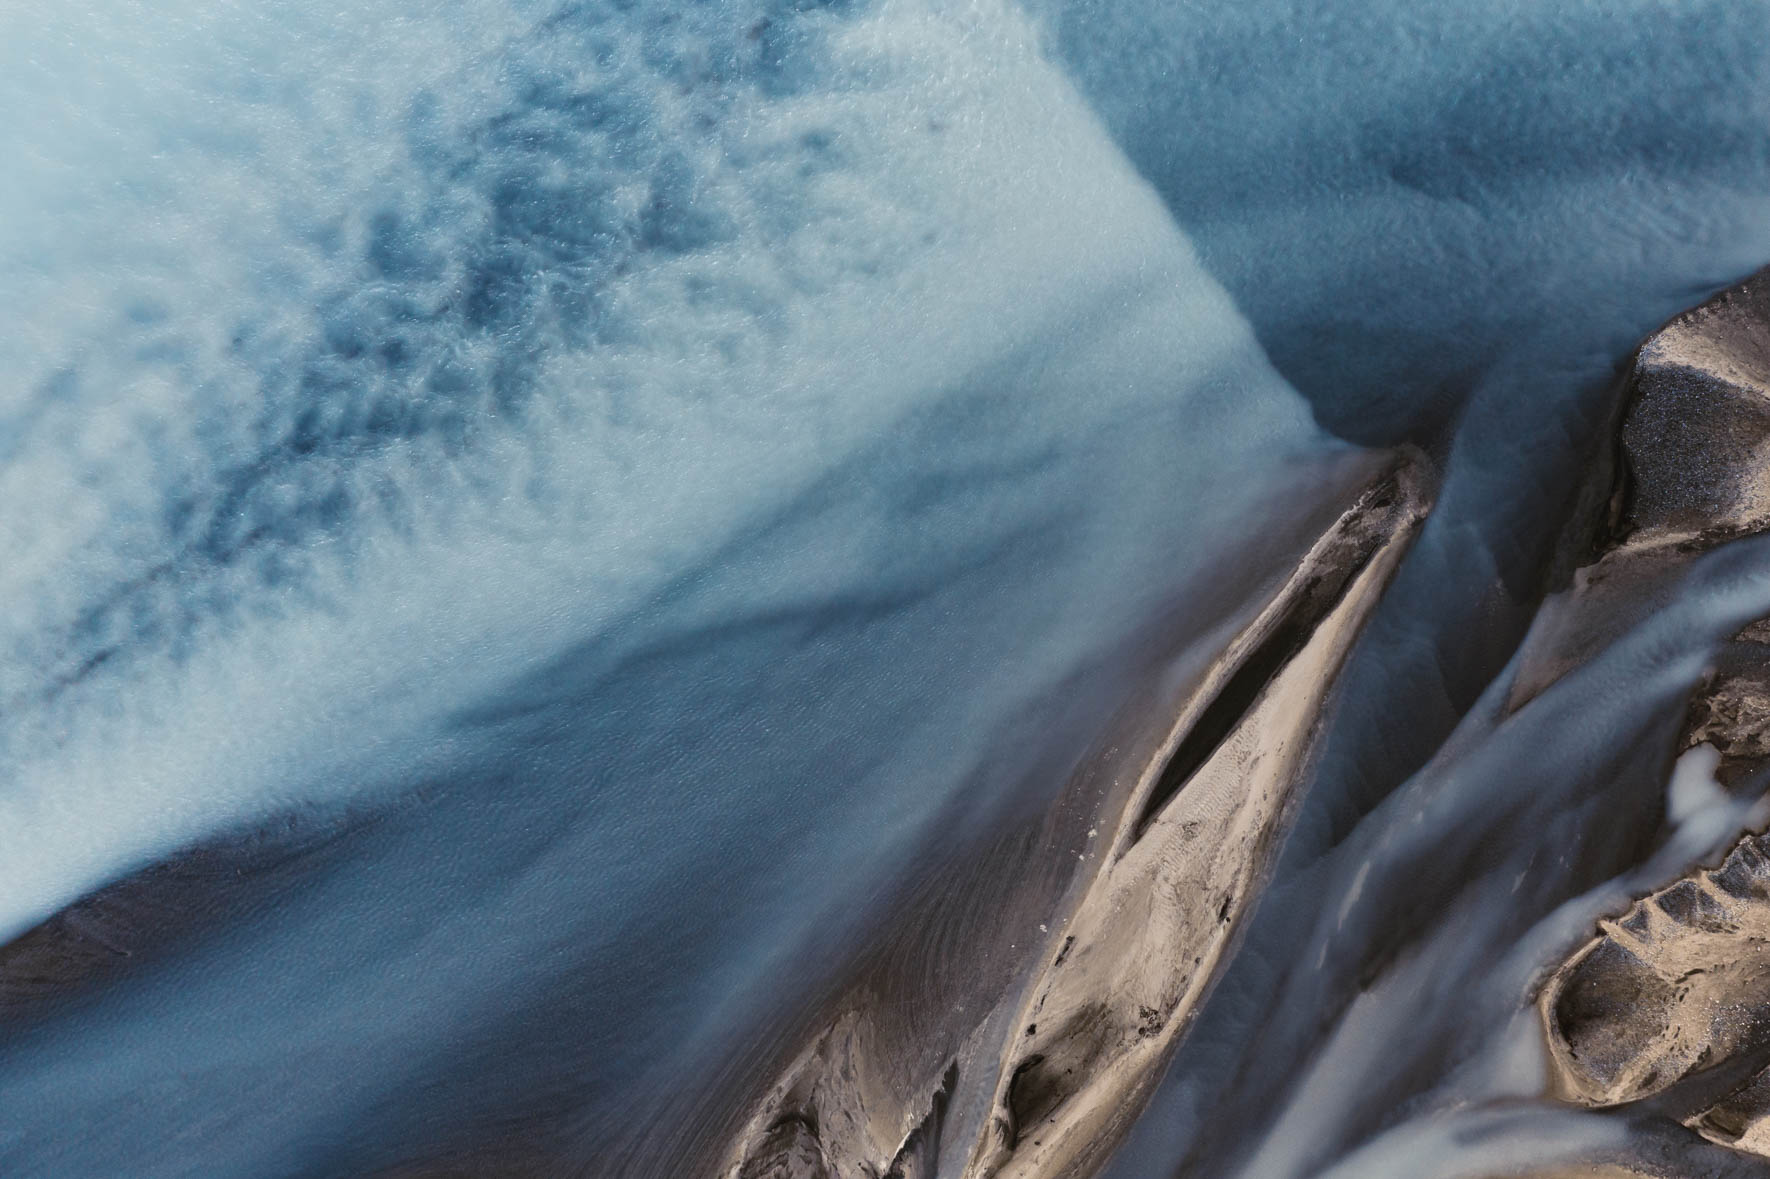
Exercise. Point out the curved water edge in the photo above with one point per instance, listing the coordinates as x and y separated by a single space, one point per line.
656 590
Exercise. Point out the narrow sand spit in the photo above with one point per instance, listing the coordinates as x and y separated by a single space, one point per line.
1185 817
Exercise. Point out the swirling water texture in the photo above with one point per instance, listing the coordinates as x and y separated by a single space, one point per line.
640 478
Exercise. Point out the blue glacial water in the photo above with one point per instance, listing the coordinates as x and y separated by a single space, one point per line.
590 497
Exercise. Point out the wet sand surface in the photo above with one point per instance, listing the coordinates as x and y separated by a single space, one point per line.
1671 1002
1052 1051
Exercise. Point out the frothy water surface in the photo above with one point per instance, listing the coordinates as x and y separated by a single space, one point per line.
595 498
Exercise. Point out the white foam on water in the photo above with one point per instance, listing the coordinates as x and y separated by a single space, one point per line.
248 565
1692 793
